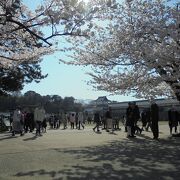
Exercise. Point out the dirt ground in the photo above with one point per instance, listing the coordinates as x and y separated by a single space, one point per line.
84 154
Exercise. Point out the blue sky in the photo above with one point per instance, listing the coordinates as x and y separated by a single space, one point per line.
66 80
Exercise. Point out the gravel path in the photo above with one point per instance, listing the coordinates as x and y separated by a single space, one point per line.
84 154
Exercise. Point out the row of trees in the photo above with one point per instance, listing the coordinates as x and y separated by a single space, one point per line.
52 104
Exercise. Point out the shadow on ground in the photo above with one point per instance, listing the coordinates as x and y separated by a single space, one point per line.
135 159
7 136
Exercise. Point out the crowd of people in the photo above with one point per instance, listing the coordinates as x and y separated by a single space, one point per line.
22 122
149 119
135 121
27 121
75 119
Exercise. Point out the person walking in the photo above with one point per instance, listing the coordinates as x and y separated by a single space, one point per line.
44 125
76 120
80 120
27 121
136 117
124 123
173 119
130 120
31 121
89 119
104 121
143 119
97 120
148 120
65 120
17 124
109 120
154 120
39 115
72 119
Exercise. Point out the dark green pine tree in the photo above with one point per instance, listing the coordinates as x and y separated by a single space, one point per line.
14 79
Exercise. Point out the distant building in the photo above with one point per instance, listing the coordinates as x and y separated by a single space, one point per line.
119 108
100 104
102 100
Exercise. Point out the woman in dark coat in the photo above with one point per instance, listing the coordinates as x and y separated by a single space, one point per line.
143 119
130 120
173 119
97 120
154 120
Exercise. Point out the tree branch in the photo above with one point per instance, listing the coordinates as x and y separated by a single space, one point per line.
28 30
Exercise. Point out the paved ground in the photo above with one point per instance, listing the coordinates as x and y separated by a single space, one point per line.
72 154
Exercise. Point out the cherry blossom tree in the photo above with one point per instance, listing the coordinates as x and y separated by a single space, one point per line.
136 50
27 35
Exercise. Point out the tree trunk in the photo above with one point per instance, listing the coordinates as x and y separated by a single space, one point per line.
176 89
178 96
